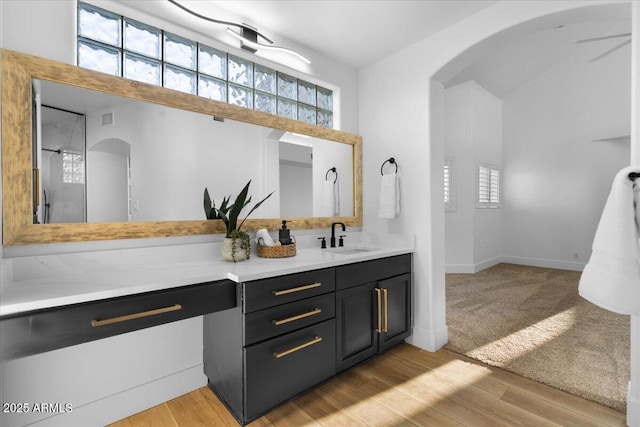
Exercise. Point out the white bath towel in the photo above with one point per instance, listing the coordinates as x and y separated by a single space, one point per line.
331 199
264 238
611 278
389 196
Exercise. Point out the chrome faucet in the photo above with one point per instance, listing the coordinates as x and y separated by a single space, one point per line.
333 232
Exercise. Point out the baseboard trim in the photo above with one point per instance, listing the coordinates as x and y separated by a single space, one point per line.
534 262
129 402
633 408
429 340
547 263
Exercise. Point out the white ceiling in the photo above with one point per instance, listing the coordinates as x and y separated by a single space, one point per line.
355 32
360 32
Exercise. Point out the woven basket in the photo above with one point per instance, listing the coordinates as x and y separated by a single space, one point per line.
283 251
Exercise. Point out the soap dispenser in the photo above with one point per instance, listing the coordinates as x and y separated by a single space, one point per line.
283 234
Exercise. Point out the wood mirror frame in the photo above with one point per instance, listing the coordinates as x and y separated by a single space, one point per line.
18 70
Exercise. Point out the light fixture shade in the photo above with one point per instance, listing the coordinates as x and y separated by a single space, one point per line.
255 46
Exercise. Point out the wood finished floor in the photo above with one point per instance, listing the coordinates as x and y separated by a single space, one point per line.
405 386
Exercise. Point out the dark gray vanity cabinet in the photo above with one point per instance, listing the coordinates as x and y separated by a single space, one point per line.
278 342
291 333
373 308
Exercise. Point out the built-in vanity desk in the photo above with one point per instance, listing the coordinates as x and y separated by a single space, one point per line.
273 328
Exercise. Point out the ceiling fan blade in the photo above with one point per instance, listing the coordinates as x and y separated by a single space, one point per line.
614 36
611 51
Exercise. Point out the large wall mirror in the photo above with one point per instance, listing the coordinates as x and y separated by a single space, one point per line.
88 156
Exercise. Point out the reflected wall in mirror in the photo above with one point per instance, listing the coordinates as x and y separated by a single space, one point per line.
150 162
139 164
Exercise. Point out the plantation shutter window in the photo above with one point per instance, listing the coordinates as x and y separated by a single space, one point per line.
488 186
448 188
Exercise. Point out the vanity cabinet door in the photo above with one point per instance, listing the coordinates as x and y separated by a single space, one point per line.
396 307
356 316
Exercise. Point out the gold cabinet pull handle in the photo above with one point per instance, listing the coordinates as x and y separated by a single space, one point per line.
316 340
297 317
379 306
386 310
96 323
298 289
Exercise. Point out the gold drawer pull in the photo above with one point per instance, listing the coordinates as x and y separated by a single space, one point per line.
297 317
379 306
316 340
298 289
96 323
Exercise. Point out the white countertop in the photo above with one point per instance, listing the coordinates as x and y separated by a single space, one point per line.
48 281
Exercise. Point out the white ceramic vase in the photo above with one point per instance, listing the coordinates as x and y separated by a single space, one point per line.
227 252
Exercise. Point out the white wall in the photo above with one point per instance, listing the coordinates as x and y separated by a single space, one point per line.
556 176
633 396
162 362
473 133
405 120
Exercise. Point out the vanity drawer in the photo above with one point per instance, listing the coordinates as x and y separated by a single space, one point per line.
266 293
360 273
45 330
275 321
279 369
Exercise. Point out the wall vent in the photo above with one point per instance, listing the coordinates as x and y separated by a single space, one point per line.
108 119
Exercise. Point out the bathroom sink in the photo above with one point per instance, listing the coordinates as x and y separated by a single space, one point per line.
351 251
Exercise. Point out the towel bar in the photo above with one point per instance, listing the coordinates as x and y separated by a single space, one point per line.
334 170
392 161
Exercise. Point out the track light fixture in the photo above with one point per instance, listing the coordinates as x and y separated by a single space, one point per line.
248 35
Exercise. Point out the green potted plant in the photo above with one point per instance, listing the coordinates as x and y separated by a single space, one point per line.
236 246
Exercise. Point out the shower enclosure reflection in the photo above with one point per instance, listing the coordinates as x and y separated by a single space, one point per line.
62 141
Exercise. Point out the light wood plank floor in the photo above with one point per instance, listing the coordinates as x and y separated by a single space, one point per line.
405 386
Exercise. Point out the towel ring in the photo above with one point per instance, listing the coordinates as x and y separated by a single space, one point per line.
334 170
634 175
392 161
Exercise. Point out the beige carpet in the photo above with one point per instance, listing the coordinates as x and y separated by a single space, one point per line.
531 321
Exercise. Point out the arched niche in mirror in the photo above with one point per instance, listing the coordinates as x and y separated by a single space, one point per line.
169 149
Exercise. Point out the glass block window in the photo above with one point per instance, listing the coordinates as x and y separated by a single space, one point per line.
287 86
212 62
488 186
212 88
265 79
142 69
117 45
142 39
72 168
265 103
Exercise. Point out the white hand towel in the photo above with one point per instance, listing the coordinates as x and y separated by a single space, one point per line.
263 237
389 196
611 279
327 198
